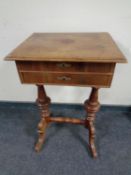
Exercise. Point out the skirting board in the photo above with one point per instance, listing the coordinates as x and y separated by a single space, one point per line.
66 105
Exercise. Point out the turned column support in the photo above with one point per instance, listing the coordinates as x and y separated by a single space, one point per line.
92 106
43 102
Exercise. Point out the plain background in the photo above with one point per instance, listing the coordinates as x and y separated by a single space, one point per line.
20 18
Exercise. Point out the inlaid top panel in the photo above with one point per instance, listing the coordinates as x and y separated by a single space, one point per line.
75 47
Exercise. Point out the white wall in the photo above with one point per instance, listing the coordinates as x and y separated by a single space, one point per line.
20 18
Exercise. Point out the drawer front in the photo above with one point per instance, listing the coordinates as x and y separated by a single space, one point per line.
97 80
65 67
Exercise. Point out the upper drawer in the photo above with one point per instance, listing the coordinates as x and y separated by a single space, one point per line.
65 66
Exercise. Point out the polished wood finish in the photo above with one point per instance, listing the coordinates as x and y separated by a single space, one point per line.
66 79
92 106
75 47
65 73
65 120
70 67
73 59
43 102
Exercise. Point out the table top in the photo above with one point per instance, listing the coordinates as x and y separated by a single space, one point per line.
72 47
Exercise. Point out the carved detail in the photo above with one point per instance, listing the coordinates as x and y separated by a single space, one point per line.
43 103
92 106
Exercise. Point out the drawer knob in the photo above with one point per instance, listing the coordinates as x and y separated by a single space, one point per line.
64 78
64 65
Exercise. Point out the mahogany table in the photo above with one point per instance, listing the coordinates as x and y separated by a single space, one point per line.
73 59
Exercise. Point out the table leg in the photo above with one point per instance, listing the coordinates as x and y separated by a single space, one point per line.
43 102
92 106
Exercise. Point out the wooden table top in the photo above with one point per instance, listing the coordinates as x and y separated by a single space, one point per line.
75 47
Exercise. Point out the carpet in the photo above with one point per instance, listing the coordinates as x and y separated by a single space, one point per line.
65 151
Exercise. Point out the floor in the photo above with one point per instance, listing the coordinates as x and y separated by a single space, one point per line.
65 151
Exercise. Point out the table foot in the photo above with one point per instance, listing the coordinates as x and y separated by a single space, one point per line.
41 130
43 103
92 139
92 106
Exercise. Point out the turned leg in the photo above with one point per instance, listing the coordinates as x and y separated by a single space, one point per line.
43 103
92 106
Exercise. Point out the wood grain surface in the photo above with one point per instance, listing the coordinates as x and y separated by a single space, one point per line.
75 47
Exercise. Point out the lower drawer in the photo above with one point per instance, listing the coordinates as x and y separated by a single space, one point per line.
97 80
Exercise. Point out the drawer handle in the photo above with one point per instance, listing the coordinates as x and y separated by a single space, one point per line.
64 78
64 65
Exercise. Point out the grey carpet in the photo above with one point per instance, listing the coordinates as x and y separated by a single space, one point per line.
65 151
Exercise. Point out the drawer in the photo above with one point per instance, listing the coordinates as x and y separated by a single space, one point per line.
74 79
65 67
